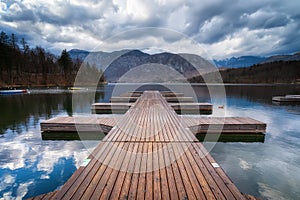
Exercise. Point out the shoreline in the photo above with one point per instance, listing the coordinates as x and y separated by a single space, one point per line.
13 87
50 86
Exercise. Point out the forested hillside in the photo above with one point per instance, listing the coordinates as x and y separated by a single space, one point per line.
274 72
24 66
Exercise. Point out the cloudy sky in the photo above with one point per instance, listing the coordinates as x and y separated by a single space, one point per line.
222 28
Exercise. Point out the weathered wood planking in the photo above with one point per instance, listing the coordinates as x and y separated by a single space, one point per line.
237 125
168 99
192 108
197 125
149 154
193 175
164 94
110 108
80 123
197 108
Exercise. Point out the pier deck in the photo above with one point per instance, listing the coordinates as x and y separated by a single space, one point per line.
171 99
150 153
197 125
188 107
164 94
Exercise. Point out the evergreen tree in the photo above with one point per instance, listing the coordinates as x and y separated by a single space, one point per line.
65 62
4 39
14 41
25 46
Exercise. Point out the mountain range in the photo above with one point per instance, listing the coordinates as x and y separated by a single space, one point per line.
247 61
137 66
129 65
237 62
233 62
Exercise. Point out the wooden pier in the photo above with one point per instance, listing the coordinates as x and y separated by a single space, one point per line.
168 99
198 125
163 93
150 153
180 108
225 125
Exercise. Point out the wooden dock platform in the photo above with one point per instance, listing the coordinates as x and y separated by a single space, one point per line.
229 124
164 94
168 99
198 125
74 124
150 153
180 108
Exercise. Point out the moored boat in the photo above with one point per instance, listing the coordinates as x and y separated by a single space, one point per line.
77 88
13 92
287 98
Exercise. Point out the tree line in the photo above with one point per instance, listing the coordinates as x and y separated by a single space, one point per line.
21 65
273 72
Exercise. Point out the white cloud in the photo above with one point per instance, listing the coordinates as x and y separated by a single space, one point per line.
244 164
138 9
17 152
220 26
23 152
6 180
23 189
3 7
269 192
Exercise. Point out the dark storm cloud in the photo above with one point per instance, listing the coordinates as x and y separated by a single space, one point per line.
223 26
216 20
265 20
200 13
19 13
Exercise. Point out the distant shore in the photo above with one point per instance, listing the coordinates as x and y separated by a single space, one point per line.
51 86
11 87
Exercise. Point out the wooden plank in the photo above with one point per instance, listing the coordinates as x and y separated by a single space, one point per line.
133 189
141 189
149 175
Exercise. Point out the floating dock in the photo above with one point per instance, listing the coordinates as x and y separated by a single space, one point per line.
197 125
74 124
287 98
163 93
232 129
168 99
150 153
228 125
180 108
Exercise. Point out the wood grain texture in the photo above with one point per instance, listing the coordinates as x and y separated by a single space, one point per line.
150 153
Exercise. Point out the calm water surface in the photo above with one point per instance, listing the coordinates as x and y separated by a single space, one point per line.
30 166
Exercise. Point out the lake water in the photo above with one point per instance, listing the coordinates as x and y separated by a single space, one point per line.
30 166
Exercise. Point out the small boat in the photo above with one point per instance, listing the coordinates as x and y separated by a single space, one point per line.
287 98
77 88
3 92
